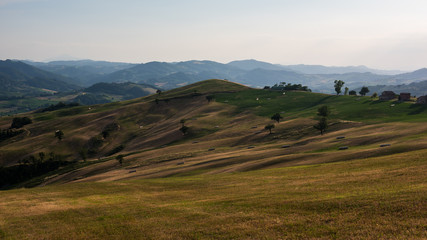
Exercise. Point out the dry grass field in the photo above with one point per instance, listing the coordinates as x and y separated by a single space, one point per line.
370 198
227 178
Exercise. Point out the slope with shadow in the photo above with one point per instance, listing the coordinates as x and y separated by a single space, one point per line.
109 92
19 79
225 134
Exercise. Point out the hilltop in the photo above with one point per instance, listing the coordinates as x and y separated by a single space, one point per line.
226 177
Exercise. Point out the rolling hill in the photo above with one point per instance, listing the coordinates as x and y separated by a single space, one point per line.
226 177
21 80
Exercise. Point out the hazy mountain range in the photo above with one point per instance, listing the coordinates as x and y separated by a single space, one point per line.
253 73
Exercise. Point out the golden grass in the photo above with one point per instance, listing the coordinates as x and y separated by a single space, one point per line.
382 197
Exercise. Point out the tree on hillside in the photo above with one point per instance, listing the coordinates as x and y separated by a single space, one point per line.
276 117
159 91
42 155
374 95
269 127
323 111
19 122
59 134
352 93
120 158
184 130
322 125
345 90
338 85
209 98
364 91
83 154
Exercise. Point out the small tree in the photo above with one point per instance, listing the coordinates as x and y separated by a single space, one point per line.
364 91
269 127
83 154
276 117
159 91
182 122
323 111
120 158
184 130
322 125
345 90
374 95
42 155
338 85
209 98
59 134
352 93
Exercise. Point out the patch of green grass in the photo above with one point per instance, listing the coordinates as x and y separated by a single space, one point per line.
305 104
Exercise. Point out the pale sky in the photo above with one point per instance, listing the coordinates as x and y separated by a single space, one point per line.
385 34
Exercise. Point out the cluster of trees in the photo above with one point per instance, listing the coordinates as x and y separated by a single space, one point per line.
338 84
289 87
19 122
30 167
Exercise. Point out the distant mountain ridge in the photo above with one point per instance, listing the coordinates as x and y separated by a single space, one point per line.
414 88
81 72
249 72
253 73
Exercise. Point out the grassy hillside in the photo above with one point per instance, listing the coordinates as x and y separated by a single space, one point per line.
227 177
370 198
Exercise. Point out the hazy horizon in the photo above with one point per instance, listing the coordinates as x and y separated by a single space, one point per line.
379 34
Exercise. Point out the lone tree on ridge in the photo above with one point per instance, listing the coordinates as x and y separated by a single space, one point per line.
364 91
338 85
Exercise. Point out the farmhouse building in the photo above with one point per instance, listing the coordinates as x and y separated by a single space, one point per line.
422 100
404 97
387 95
